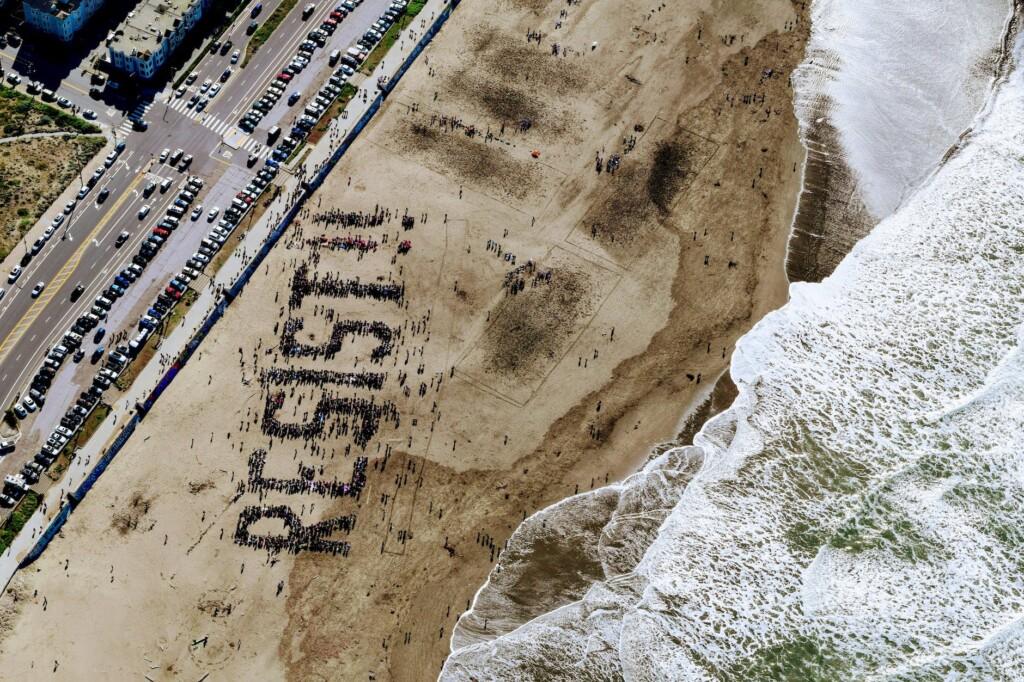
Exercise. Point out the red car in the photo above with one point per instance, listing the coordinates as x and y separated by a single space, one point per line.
244 197
337 16
173 293
284 76
162 232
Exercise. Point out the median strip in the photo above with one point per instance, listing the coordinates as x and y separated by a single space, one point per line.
269 26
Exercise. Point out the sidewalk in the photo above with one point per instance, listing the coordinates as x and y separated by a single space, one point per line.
174 344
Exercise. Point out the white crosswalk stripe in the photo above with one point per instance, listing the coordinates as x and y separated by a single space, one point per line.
214 124
138 112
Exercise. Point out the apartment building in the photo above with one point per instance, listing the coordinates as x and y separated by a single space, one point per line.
149 35
60 18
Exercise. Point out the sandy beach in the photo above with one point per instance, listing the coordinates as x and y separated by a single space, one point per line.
519 281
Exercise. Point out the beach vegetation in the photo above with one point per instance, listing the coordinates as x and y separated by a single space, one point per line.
18 518
267 28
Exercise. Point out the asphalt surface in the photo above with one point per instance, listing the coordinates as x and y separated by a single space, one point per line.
82 251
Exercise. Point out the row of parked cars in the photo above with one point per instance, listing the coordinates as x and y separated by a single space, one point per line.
350 61
378 28
71 344
116 361
316 38
318 105
16 485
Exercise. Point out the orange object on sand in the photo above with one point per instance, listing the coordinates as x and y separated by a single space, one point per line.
535 153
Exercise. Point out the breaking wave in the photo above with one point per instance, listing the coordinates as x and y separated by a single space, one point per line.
859 510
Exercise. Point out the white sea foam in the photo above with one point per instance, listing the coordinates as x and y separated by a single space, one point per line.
860 509
902 81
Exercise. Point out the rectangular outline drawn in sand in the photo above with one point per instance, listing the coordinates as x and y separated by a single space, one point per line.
521 390
577 235
552 179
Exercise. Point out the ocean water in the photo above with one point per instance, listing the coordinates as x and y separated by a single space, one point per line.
858 513
900 82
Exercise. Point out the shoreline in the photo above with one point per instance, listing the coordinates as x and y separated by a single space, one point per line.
812 256
451 480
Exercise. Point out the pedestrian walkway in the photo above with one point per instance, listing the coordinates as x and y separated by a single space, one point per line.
138 112
223 128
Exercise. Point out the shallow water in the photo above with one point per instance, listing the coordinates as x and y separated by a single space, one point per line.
901 82
857 513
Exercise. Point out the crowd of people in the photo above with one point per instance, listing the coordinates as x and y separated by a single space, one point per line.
337 286
305 482
294 376
366 416
346 243
515 279
299 537
339 330
352 219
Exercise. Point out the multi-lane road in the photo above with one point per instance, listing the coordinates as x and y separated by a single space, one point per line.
83 250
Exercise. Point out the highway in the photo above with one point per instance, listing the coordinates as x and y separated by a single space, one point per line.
83 252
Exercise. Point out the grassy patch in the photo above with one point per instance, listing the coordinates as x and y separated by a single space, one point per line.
89 427
21 115
300 158
147 352
18 518
267 28
348 91
415 7
33 173
263 202
389 39
178 312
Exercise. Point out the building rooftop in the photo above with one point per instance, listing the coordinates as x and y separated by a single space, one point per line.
58 8
148 25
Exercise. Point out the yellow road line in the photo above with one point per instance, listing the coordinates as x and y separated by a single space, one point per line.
63 276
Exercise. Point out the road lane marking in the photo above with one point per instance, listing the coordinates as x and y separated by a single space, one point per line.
60 278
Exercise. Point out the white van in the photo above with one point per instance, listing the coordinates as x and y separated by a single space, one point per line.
334 57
